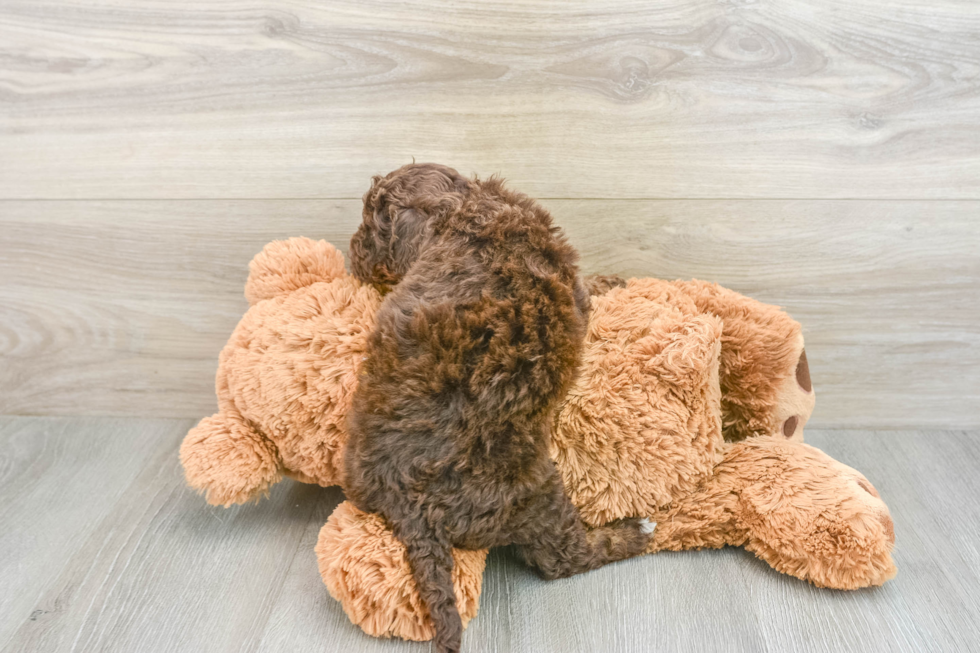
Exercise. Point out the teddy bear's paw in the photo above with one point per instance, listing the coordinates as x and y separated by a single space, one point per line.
229 461
765 381
366 568
287 265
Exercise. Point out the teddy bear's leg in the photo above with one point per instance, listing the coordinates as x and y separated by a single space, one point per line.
228 460
765 379
365 567
813 517
704 519
809 515
798 509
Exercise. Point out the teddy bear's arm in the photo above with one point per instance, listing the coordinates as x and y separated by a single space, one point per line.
228 460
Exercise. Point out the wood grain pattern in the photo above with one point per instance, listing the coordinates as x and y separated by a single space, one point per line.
159 569
121 308
143 564
630 99
60 479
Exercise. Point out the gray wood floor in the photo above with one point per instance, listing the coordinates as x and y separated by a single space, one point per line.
104 549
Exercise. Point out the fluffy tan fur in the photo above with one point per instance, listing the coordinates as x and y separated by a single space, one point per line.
688 410
761 347
641 426
286 378
801 511
640 434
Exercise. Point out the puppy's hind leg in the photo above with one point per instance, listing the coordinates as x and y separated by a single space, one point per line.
430 557
554 540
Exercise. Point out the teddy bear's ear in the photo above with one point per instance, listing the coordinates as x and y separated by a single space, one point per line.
287 265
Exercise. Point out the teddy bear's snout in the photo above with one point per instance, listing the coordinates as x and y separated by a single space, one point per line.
789 426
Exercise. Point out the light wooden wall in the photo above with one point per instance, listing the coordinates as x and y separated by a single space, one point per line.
824 156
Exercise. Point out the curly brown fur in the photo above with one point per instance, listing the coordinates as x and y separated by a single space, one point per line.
474 346
600 284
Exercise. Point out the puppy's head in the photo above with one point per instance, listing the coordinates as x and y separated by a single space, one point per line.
400 214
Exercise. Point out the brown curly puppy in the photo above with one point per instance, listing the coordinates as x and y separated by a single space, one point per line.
474 346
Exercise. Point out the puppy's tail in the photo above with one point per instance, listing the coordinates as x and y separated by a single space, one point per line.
430 556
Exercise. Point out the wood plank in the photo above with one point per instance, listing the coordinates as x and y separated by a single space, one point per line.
131 300
121 308
160 570
59 480
928 482
122 557
629 99
306 616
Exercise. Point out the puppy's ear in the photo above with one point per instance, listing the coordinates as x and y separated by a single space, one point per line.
399 210
377 211
370 245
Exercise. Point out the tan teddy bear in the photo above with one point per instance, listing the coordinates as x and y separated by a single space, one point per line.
688 410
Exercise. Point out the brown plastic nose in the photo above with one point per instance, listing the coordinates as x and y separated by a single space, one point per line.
789 426
803 373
